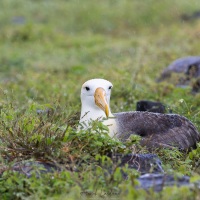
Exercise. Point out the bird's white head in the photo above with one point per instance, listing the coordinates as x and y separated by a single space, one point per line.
95 104
95 100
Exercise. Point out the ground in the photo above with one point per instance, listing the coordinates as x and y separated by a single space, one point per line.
49 48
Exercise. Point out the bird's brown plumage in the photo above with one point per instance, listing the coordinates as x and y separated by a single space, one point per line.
158 130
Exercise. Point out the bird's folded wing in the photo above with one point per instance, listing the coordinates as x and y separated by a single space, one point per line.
158 129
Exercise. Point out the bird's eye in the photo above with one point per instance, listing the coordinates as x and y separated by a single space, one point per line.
110 87
87 88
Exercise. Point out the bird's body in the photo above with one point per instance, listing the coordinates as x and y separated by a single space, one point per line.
156 129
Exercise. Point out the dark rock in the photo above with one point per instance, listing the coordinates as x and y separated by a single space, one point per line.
196 86
144 163
189 66
150 106
187 17
48 112
158 181
189 73
29 167
148 164
18 20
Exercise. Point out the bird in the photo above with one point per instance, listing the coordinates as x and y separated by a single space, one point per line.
157 130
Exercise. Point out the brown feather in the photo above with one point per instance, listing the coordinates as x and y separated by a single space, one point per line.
156 129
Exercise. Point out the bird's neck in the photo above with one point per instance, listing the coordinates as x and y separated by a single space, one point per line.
91 114
112 125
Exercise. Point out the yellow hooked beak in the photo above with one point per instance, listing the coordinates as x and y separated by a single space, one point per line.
100 100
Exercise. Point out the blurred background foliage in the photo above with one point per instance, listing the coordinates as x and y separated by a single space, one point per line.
49 48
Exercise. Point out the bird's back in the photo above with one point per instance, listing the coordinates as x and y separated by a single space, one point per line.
166 130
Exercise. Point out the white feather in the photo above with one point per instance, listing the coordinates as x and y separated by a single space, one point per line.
90 111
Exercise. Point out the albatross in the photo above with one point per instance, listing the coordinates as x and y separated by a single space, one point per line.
155 129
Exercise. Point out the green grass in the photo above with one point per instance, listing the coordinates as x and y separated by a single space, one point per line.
49 48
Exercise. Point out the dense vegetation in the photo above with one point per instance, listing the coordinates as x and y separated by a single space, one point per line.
48 49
